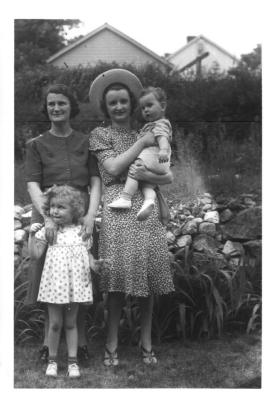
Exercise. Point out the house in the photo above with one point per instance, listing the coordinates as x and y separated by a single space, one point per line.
106 44
201 55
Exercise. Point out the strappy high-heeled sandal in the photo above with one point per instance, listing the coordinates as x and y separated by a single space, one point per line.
148 357
110 358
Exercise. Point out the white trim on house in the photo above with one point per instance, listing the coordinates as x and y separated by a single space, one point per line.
196 39
115 31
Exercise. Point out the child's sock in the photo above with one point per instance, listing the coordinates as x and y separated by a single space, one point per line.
72 360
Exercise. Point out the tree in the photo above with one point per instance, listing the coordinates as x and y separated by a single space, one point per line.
253 60
37 39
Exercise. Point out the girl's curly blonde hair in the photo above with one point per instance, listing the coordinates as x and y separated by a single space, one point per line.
68 193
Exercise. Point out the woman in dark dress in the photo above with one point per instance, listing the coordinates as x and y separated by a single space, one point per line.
60 156
136 251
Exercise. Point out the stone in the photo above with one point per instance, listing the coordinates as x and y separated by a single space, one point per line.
17 260
226 215
182 217
187 212
249 202
18 211
177 231
253 248
212 216
170 237
205 243
190 217
208 227
198 220
17 224
184 241
233 249
190 228
236 205
17 249
20 236
206 200
214 206
246 225
207 207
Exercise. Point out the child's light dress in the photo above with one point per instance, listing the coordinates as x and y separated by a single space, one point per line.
66 274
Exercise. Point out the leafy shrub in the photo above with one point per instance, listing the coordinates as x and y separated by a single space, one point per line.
28 320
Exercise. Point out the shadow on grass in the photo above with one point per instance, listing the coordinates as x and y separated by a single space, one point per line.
224 363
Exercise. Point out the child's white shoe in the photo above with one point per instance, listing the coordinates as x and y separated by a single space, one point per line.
120 203
146 210
51 369
73 371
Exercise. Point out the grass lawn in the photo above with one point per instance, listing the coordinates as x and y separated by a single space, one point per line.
230 362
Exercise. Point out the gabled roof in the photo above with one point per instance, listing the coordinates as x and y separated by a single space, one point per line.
196 39
115 31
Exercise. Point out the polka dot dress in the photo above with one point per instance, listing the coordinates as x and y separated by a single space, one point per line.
136 251
66 274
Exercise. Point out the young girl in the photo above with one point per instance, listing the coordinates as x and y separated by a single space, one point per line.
152 103
66 279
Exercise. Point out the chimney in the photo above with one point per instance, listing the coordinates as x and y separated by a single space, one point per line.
189 38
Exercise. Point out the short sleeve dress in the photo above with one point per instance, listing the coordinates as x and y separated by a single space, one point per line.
136 251
66 276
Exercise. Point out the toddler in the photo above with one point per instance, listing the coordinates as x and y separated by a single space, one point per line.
66 279
152 104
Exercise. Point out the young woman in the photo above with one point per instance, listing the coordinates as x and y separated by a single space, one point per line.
137 250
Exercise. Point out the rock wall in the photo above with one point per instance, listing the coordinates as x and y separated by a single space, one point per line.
226 230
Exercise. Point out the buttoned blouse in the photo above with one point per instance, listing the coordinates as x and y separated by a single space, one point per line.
59 160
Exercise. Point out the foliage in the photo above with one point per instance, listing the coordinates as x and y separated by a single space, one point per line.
37 39
204 107
28 320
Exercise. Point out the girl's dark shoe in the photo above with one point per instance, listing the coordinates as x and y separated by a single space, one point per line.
44 354
83 354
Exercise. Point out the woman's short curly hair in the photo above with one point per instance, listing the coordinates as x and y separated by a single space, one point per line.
117 86
73 196
59 88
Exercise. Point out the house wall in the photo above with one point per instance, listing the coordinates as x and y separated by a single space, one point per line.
215 57
106 46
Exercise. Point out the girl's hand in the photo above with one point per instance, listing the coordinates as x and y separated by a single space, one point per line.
50 231
148 139
87 227
35 227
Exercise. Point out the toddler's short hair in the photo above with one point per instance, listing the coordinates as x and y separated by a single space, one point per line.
74 197
159 93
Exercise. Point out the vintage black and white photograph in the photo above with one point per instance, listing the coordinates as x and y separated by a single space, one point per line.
137 209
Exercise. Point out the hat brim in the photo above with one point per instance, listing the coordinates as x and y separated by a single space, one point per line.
108 78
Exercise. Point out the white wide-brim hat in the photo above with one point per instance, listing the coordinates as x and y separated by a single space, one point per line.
107 78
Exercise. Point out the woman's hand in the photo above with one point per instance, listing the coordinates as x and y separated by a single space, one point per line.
138 171
50 230
87 227
34 228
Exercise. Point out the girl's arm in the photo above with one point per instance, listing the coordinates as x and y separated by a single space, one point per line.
38 201
116 165
95 196
36 247
140 173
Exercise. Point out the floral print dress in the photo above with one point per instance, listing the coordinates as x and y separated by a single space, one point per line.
66 274
136 251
